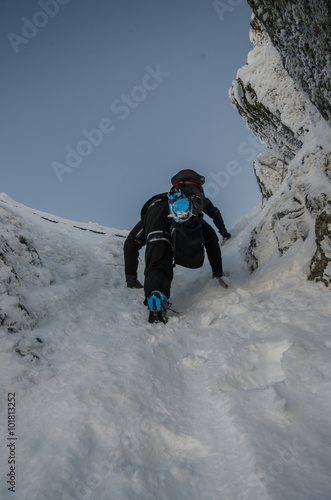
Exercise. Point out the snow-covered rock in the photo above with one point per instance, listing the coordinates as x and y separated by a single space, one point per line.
270 169
284 96
301 33
267 97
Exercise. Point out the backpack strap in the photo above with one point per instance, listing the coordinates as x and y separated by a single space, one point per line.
158 236
155 199
187 183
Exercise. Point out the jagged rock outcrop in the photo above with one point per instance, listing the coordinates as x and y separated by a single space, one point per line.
301 33
270 169
20 266
268 98
283 93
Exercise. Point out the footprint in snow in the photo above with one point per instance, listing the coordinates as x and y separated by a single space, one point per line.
194 360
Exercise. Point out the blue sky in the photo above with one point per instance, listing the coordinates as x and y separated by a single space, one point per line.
102 102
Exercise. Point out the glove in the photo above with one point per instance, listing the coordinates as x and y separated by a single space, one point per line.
133 283
227 236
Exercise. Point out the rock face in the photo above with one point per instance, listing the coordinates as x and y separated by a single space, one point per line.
284 94
301 33
20 267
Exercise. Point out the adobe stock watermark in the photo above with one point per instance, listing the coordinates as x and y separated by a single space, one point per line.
31 27
249 149
120 107
257 482
82 490
222 7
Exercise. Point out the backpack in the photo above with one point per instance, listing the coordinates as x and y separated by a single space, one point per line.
188 243
189 183
187 238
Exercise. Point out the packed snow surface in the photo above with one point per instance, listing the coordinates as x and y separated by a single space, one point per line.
231 400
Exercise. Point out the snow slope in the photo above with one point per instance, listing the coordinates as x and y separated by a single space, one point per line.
231 400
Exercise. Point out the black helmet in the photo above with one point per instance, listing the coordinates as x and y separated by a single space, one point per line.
188 175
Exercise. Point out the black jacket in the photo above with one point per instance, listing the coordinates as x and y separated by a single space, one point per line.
214 213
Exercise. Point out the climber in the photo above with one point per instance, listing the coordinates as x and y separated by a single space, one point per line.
185 232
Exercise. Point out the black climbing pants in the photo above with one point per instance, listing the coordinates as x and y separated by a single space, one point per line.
158 255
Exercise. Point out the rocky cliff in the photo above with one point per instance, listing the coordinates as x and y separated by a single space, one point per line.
284 94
